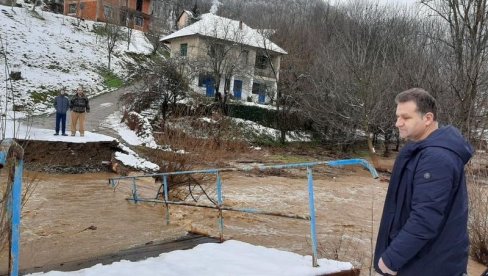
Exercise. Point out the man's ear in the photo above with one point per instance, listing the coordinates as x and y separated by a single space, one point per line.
429 118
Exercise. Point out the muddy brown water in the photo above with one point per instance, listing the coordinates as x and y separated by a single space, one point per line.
72 217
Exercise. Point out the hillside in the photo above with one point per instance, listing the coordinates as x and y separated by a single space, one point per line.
51 51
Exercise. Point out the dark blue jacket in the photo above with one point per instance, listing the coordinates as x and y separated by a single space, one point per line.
61 104
423 229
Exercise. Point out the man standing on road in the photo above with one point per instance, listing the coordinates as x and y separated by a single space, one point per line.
61 104
423 229
79 106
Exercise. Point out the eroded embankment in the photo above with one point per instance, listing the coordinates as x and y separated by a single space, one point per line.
65 157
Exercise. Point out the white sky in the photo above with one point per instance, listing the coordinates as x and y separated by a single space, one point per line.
387 2
214 259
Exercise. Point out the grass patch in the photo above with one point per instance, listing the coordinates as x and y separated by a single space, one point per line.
110 79
43 96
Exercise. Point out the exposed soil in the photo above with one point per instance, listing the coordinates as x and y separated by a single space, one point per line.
61 157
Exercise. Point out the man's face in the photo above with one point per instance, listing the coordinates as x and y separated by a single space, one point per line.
410 123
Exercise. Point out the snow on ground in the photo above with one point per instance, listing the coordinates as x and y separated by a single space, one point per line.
53 52
25 132
133 160
129 136
213 259
259 130
266 106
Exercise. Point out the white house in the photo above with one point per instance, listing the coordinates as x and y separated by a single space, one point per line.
228 56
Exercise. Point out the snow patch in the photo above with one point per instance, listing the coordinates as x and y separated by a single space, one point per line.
217 259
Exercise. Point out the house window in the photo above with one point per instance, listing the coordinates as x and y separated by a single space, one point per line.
72 8
258 88
184 49
139 21
123 18
262 61
203 79
244 56
139 5
107 11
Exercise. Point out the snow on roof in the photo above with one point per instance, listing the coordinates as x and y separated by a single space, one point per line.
211 25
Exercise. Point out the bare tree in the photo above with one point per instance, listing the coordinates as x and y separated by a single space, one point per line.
155 32
466 43
112 30
165 82
225 52
356 73
129 18
113 33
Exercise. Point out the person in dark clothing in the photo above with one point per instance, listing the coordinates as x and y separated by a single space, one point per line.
79 106
61 104
423 230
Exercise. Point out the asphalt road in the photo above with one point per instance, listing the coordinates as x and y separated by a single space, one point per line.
100 108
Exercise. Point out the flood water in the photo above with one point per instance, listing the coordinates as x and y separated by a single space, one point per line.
72 217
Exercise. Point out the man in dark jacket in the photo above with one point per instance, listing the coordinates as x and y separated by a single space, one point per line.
79 106
61 104
423 229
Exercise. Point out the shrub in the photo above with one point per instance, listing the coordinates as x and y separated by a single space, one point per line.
478 211
269 117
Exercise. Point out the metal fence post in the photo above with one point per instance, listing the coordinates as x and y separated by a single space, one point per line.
16 212
10 150
311 205
134 189
219 202
219 206
165 184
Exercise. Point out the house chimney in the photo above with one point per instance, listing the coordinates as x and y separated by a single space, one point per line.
240 24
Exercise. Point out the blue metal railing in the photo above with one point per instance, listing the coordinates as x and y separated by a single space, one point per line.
219 205
10 151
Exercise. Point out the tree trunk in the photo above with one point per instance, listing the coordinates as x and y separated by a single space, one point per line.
372 152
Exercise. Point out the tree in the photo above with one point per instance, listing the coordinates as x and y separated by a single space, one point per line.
166 79
155 32
164 83
113 34
466 44
223 45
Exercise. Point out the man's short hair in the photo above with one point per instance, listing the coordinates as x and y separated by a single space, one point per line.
424 101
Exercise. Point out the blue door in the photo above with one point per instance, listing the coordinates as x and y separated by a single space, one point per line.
262 97
237 89
209 83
